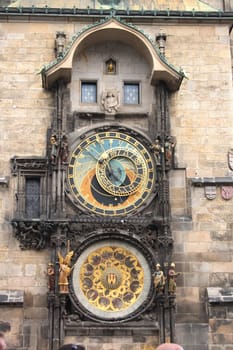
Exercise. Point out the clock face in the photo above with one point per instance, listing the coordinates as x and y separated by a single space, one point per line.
111 280
111 173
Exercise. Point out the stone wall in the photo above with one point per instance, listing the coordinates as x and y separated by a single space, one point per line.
201 120
25 116
220 312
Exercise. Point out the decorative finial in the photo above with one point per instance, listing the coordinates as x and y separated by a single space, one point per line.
60 43
161 40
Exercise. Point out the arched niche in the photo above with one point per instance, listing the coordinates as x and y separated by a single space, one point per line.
114 30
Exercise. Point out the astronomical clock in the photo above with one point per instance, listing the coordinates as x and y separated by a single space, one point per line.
111 178
99 199
111 173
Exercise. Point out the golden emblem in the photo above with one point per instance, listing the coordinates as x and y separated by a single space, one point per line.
111 278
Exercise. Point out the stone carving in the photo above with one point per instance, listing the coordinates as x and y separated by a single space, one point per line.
51 277
60 43
159 279
54 149
157 149
227 192
210 192
32 235
64 151
59 149
172 274
110 101
161 38
20 164
165 241
169 148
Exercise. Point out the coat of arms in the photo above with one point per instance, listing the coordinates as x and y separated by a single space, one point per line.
227 192
210 192
110 101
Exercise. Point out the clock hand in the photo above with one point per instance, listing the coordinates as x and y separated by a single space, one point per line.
94 153
115 172
111 171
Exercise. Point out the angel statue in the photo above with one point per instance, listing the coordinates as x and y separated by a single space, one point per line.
65 270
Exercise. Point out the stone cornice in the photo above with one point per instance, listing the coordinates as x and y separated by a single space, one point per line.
203 181
180 16
220 295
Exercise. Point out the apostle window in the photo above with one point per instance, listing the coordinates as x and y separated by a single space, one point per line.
131 93
88 92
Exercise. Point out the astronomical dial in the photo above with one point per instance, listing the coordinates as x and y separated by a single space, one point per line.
111 279
111 173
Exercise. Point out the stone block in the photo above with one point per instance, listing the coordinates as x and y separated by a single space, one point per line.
11 297
189 308
183 224
5 326
195 279
218 311
36 313
224 339
221 326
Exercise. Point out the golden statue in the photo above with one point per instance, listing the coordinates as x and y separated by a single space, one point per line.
111 66
65 270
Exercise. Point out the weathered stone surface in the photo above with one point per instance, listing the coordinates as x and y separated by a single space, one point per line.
201 117
11 297
154 4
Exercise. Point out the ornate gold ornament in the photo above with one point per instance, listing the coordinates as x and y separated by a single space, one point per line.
111 279
64 270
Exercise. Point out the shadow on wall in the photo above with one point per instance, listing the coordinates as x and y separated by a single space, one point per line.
72 347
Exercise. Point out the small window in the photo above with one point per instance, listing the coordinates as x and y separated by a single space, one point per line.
131 93
32 197
88 92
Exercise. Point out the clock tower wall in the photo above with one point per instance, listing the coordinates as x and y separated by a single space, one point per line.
100 137
129 82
